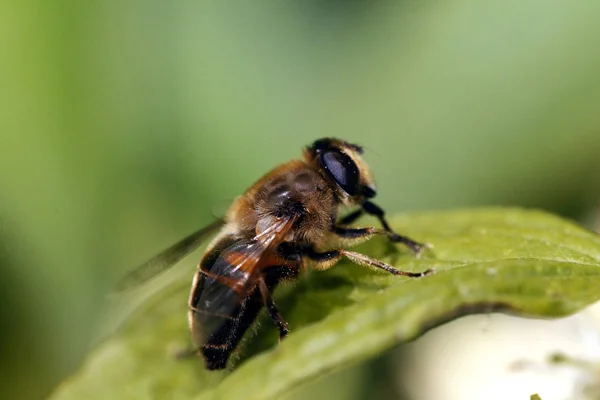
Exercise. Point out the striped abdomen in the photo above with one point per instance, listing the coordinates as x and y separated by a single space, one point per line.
225 299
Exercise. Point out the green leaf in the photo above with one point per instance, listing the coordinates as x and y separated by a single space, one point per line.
517 261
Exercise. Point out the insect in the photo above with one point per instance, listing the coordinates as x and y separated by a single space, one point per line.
285 222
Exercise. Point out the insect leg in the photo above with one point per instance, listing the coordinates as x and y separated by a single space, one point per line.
327 259
349 237
355 236
367 261
374 209
273 312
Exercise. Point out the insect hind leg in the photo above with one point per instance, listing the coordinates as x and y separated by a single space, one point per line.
272 309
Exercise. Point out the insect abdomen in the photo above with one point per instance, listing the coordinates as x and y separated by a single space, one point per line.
224 340
225 301
217 297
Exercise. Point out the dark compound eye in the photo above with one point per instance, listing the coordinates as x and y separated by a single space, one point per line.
321 144
343 170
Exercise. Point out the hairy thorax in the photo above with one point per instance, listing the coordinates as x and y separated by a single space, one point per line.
290 190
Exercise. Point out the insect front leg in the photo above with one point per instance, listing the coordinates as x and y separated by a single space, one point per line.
373 209
350 237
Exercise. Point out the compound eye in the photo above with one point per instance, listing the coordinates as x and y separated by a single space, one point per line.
343 170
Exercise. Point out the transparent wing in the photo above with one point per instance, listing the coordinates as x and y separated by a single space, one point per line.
237 264
224 286
168 257
263 244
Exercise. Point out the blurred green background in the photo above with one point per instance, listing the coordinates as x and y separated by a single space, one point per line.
124 124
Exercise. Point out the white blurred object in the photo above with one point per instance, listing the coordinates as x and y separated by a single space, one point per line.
498 357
